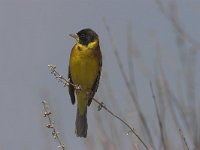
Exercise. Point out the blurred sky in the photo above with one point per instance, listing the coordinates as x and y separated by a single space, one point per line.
34 33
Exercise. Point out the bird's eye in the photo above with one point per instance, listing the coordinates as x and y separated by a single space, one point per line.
82 35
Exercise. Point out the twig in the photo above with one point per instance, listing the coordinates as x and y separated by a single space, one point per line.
132 92
158 116
101 105
51 125
183 139
65 82
172 16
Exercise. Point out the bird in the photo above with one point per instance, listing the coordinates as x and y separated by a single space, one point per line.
84 71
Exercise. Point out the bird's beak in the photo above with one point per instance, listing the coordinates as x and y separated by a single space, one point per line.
74 36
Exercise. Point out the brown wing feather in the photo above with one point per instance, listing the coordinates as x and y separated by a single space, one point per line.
95 86
71 89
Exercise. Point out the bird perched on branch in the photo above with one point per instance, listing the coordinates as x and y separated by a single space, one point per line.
84 71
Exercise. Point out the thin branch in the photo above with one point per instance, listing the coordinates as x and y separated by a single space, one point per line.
171 14
66 82
132 92
51 125
102 105
158 116
183 139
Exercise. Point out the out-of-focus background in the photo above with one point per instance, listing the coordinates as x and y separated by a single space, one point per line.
141 41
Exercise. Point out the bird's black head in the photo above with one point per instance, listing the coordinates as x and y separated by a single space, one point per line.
86 36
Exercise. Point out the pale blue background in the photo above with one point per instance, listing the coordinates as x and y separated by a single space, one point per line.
34 33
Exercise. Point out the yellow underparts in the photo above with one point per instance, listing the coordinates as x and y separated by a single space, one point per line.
84 69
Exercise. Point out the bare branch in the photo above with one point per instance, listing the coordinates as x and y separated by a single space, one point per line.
183 139
100 104
158 116
132 92
51 125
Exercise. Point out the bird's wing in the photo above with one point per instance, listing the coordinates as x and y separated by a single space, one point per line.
95 85
71 89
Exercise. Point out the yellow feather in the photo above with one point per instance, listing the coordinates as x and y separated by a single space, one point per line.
84 69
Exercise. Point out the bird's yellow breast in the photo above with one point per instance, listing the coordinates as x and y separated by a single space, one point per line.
84 66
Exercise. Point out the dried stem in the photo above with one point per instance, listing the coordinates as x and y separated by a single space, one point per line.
171 14
132 92
101 105
183 139
51 125
158 116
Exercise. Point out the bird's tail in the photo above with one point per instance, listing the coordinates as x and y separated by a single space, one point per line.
81 124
